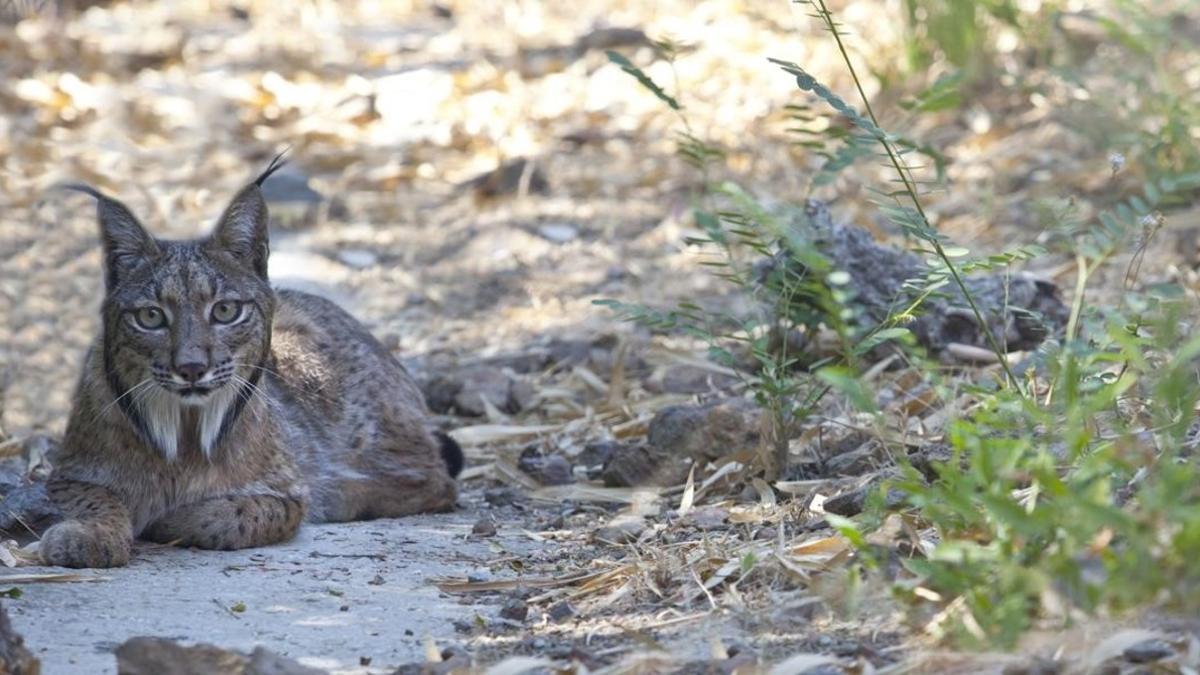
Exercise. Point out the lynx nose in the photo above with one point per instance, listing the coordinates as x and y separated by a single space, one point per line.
192 372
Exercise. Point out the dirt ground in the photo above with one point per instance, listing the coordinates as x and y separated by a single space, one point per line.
467 179
338 598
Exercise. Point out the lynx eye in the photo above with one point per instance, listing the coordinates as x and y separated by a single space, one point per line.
226 311
150 318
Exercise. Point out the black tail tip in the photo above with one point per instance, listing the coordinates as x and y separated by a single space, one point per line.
452 453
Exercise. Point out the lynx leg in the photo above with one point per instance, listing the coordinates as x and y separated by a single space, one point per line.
96 533
230 522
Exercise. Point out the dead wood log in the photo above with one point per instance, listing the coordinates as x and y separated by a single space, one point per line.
1020 310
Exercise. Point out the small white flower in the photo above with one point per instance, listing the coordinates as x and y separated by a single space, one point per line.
1117 162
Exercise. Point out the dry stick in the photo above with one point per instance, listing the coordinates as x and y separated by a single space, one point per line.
827 18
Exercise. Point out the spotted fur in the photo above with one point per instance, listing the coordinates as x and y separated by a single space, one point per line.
216 412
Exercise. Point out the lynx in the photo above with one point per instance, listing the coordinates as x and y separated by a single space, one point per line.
216 412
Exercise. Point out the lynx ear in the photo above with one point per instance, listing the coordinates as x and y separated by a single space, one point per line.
127 245
242 229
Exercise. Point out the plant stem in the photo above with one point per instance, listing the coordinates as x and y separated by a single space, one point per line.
827 18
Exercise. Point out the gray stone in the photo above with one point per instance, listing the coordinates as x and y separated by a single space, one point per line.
289 185
559 233
706 432
484 527
634 465
358 258
514 610
622 529
546 469
1148 651
685 379
852 502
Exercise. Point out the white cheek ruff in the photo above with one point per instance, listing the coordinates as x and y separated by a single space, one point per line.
212 418
162 412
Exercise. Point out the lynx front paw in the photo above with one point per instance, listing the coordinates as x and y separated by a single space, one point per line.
75 543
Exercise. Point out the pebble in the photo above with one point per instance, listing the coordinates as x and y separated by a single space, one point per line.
561 611
623 529
358 258
514 610
558 232
484 527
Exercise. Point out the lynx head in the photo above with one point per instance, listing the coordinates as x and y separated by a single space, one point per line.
186 324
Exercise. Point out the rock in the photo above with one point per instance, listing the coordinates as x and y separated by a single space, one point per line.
294 203
358 258
595 456
561 611
522 395
597 354
622 529
634 465
289 184
851 502
484 527
709 517
464 391
685 379
160 656
514 610
706 432
440 391
508 179
546 469
856 462
609 38
927 459
15 657
1148 651
502 496
559 233
766 534
23 488
482 382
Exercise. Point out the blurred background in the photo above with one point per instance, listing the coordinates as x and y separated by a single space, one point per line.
468 177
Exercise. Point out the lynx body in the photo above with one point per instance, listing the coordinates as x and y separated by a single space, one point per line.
215 412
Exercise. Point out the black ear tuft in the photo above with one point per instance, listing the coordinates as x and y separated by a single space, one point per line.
84 188
276 164
127 245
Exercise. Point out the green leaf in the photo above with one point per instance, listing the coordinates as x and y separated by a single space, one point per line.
642 78
879 337
844 382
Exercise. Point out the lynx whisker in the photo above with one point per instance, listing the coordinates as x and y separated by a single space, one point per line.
140 386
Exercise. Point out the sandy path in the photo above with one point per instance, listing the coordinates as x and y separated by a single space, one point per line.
334 595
